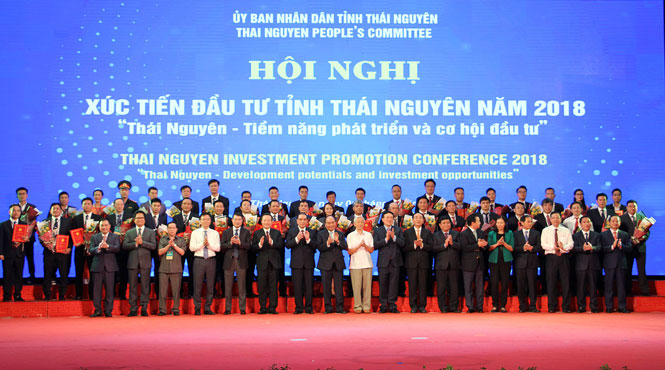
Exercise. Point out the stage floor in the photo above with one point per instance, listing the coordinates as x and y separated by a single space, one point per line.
350 341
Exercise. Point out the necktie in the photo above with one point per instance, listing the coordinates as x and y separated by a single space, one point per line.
274 217
429 199
556 241
602 214
156 221
445 237
548 220
185 219
586 237
235 248
140 231
55 225
104 238
417 233
205 249
632 219
14 224
86 220
577 223
118 220
526 235
614 233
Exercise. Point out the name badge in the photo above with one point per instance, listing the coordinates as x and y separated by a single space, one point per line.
169 254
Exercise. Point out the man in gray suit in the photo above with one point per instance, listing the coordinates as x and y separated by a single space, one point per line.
103 247
234 244
171 249
139 242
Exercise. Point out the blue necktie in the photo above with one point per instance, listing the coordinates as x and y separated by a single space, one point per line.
205 249
235 247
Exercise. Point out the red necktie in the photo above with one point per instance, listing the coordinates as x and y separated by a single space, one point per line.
556 241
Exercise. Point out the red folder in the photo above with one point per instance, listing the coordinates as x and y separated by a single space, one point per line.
61 243
77 236
19 234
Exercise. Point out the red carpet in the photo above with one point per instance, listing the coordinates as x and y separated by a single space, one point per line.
351 341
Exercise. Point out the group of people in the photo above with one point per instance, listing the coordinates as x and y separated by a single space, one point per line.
420 242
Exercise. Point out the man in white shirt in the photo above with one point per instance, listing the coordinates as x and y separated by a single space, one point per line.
204 243
557 241
573 223
360 246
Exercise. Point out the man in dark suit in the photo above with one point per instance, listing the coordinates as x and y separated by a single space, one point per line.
245 196
491 194
153 220
53 260
140 242
446 247
551 194
29 246
513 221
397 199
616 245
303 192
619 208
473 262
457 222
81 256
234 244
131 206
273 193
600 214
153 192
459 199
12 255
360 197
521 198
389 241
417 245
487 217
302 242
527 247
331 243
267 242
182 221
430 186
121 215
213 186
544 220
274 211
186 193
629 221
103 247
587 249
331 197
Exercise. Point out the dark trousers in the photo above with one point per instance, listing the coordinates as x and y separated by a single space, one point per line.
499 278
327 277
133 288
228 286
526 287
431 276
417 287
267 281
250 277
612 276
220 274
155 262
641 259
122 274
447 281
303 282
558 266
204 269
473 287
108 280
543 273
388 284
30 257
587 278
12 277
53 262
281 276
189 258
80 259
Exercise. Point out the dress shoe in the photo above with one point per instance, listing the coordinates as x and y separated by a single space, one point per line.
227 312
567 311
522 310
503 309
108 314
594 310
242 312
480 310
297 312
263 311
144 313
422 310
61 298
624 310
96 314
608 310
77 298
394 310
197 313
329 311
551 311
414 310
19 299
6 299
309 311
581 310
494 309
132 314
383 310
469 310
272 312
208 312
445 310
534 310
47 298
176 313
161 314
341 311
455 311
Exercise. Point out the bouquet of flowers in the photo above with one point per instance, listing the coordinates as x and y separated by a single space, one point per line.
407 205
566 213
173 211
374 212
30 214
287 222
254 209
407 223
643 226
343 224
109 210
162 231
194 223
209 208
221 224
45 234
314 223
430 222
72 212
472 208
316 211
438 206
536 209
502 211
251 222
338 215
